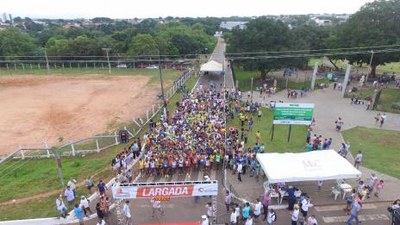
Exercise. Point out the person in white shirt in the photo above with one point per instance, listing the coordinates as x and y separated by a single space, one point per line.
271 217
312 220
156 207
239 171
71 183
127 213
249 221
358 159
69 195
204 220
61 208
257 209
237 211
210 210
84 204
305 203
295 215
101 222
234 217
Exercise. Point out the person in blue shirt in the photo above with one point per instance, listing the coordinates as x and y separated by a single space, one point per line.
246 211
244 162
291 197
78 213
309 147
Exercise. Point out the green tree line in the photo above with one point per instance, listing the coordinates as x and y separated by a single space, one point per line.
375 24
149 37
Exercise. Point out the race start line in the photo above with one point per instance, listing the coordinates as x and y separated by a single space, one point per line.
163 191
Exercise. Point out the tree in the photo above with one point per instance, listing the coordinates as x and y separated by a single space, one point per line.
143 44
375 24
264 34
14 42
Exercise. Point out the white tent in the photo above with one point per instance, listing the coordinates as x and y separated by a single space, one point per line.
307 166
211 66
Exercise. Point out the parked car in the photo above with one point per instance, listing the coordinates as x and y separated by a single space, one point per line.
122 66
152 67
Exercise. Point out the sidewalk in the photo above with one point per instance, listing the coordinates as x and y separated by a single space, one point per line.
328 107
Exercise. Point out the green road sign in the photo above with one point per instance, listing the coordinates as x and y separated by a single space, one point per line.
293 113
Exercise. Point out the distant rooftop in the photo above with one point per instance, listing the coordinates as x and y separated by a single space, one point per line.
229 25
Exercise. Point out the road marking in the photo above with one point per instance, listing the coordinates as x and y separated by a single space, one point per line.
339 219
165 206
340 207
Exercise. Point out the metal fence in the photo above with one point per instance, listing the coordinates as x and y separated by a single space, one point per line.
99 142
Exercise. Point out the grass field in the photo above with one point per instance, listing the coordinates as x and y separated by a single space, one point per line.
28 180
280 142
387 98
380 148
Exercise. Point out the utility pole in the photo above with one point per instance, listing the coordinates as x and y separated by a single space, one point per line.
108 59
165 110
58 160
47 60
370 67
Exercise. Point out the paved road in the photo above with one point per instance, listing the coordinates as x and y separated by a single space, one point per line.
192 211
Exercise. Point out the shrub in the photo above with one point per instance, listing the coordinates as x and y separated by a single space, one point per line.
354 89
396 105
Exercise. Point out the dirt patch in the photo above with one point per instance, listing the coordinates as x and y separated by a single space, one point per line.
38 109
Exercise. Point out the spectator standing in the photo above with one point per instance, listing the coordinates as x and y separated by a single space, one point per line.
84 204
358 159
156 207
69 195
101 222
312 220
233 219
78 214
127 213
204 220
305 203
383 119
228 200
240 171
246 211
99 212
101 187
355 210
257 209
266 201
61 208
89 184
295 215
378 188
339 123
271 217
72 184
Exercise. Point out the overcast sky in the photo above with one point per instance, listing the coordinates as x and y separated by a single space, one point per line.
176 8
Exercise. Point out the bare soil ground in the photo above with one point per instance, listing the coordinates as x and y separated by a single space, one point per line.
38 109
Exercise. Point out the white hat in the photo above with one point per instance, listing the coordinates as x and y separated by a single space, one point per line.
204 217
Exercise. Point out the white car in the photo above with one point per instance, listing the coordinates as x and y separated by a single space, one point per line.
152 67
124 66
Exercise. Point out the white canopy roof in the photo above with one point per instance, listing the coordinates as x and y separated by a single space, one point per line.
307 166
211 66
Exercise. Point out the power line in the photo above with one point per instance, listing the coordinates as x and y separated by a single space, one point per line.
315 50
314 55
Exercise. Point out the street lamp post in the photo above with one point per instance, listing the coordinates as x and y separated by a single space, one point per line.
370 67
59 167
165 110
47 60
107 50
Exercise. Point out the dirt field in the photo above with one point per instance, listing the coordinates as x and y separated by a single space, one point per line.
38 109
